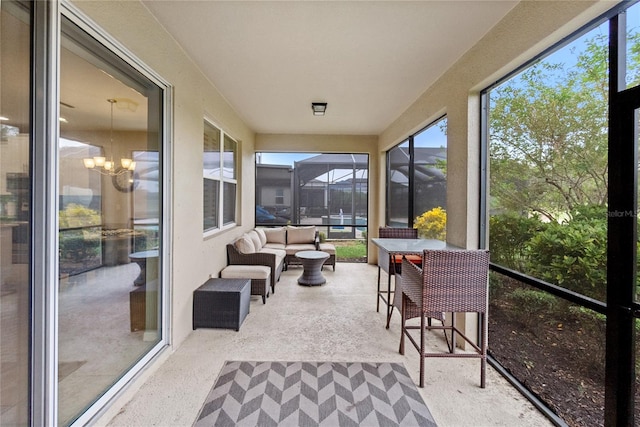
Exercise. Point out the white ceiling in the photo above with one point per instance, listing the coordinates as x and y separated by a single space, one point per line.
369 60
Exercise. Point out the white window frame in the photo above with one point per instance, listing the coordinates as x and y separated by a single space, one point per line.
221 179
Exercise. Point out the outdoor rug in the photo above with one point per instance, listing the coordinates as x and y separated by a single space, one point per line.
314 394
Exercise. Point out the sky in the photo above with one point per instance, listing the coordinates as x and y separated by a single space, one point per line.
282 158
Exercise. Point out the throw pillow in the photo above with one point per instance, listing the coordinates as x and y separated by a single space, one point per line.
276 235
300 234
255 239
262 236
244 245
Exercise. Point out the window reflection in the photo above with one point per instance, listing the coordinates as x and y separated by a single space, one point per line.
109 221
15 213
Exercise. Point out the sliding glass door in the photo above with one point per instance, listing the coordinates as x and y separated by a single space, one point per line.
109 220
15 211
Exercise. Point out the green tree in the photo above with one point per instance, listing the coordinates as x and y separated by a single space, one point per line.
548 142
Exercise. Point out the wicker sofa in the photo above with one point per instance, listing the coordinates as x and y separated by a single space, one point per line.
295 239
243 251
277 248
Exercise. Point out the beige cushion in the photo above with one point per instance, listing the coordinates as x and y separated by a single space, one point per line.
244 245
328 248
300 234
280 246
255 238
245 272
262 236
279 253
293 249
276 235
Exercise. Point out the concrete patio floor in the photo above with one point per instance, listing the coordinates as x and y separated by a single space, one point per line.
333 322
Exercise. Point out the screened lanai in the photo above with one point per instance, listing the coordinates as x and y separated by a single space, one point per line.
430 182
327 190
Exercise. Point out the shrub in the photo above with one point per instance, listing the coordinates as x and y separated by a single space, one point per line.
531 303
432 224
79 245
75 215
573 254
591 329
508 238
497 286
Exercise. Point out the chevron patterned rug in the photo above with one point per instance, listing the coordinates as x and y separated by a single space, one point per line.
314 394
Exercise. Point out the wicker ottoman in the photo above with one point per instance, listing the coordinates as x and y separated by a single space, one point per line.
221 303
331 250
259 275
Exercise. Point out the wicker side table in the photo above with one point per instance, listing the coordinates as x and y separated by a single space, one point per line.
312 262
221 303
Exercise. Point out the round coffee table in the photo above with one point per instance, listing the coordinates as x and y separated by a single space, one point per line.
312 262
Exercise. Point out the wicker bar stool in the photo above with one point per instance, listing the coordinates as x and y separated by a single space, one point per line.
391 263
450 281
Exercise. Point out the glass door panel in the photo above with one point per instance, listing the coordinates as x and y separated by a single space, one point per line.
632 68
109 220
15 212
636 290
398 186
430 181
636 294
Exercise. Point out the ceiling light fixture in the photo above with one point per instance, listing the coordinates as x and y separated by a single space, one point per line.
108 167
319 108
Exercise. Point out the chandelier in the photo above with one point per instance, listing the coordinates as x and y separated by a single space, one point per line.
106 166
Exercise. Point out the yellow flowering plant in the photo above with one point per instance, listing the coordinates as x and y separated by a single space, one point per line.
432 224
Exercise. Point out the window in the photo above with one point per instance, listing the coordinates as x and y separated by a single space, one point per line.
632 66
15 212
417 179
219 178
398 200
326 190
110 196
548 162
279 196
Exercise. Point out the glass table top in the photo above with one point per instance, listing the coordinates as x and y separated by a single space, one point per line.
411 245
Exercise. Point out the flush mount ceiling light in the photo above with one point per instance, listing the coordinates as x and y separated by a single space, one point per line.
319 108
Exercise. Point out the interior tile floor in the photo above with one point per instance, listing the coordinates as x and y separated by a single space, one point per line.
333 322
96 344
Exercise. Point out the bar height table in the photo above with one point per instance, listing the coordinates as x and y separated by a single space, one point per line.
389 247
